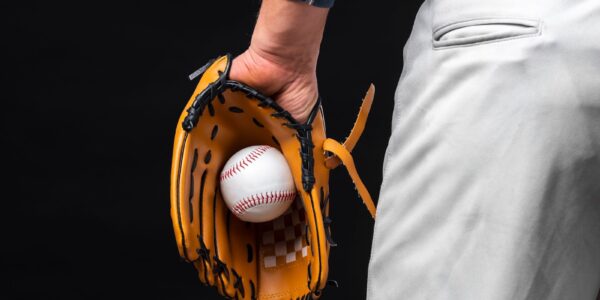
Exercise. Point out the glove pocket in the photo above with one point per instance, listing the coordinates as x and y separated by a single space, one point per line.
235 254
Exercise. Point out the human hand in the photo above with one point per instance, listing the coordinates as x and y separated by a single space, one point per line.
293 88
281 61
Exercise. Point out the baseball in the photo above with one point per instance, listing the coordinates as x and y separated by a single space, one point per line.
257 184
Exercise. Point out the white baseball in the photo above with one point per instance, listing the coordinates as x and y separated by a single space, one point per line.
257 184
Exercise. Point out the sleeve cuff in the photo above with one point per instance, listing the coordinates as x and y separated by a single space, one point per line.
319 3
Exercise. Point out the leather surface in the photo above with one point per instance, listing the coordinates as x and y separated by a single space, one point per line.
244 260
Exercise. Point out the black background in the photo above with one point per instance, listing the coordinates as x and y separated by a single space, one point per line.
92 92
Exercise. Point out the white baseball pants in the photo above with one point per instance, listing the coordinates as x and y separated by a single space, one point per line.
491 181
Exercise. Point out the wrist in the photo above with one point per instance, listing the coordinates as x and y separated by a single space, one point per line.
289 33
293 59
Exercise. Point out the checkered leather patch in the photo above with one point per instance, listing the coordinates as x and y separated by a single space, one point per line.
284 239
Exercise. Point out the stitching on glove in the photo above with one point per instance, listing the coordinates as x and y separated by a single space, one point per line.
326 219
204 257
238 283
244 162
213 133
252 290
191 191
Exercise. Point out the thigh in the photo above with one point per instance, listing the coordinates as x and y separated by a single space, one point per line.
492 175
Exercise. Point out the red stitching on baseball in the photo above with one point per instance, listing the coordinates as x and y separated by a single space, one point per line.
262 198
244 162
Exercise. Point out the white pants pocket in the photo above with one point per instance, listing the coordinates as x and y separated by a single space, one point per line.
481 31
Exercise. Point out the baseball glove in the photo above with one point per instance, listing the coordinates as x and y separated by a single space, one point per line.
286 258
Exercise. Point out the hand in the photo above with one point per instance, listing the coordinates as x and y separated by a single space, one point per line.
281 61
292 86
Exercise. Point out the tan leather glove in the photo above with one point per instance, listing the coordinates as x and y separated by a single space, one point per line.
255 260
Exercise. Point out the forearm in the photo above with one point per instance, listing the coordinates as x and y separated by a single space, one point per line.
281 61
289 32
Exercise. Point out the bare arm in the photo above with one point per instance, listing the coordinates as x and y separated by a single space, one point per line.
282 58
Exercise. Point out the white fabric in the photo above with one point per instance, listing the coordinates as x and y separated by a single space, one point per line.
491 181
